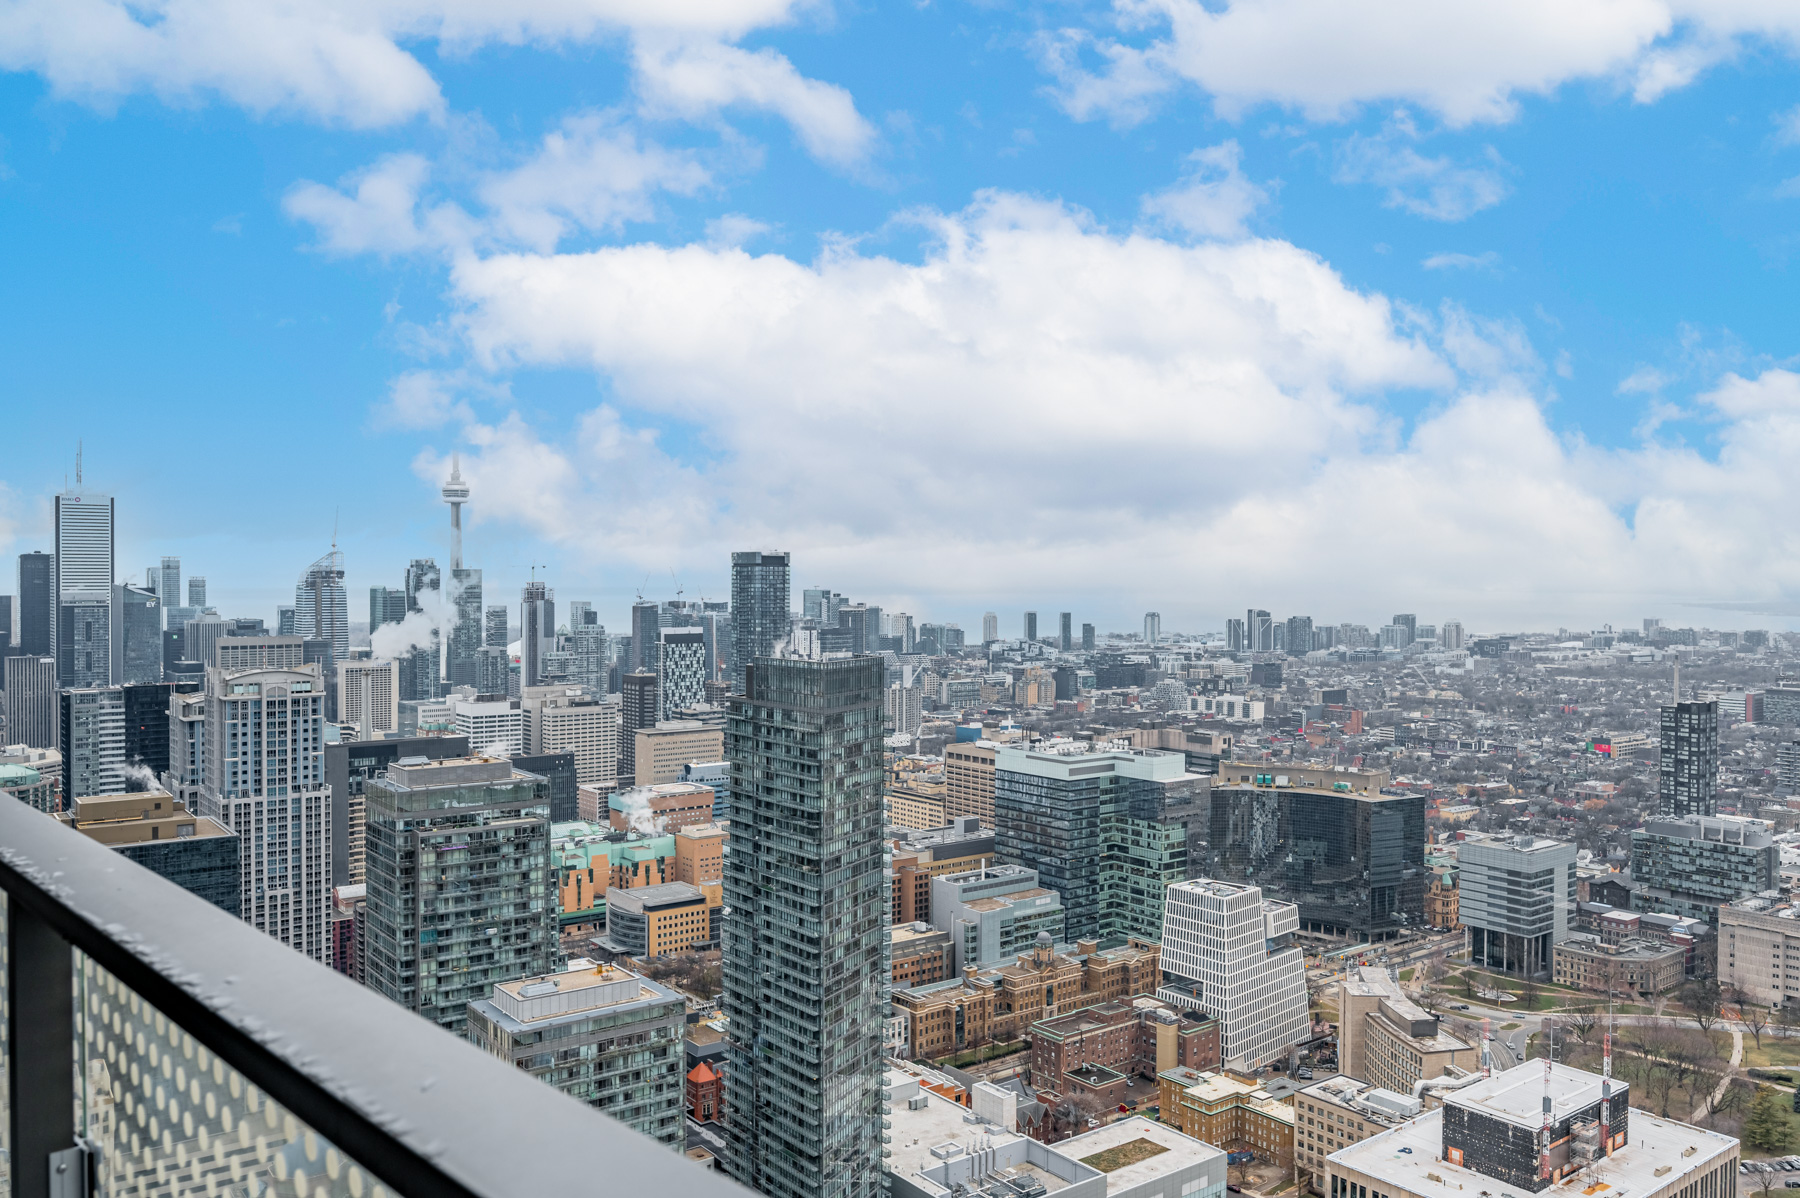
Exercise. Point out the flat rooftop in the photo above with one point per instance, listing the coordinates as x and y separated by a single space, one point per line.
941 1122
1410 1157
1517 1095
1179 1151
655 898
537 1002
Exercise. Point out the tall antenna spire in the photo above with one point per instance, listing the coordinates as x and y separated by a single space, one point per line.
1544 1136
1677 658
455 493
78 465
1606 1083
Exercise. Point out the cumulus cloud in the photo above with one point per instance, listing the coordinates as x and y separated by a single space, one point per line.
1149 410
695 79
589 175
1466 63
344 62
1436 188
1213 198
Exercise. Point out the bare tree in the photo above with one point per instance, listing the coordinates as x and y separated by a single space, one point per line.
1582 1023
1528 992
1749 1014
1701 999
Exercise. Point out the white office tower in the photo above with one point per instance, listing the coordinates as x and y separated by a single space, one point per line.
495 727
1152 627
1228 951
1450 636
82 587
990 627
369 698
322 605
903 709
265 778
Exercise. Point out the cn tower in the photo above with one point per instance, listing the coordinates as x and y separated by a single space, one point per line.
456 493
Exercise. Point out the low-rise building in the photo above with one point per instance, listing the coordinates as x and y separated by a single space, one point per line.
600 1034
1759 949
915 806
654 921
1442 905
157 831
661 752
1625 966
1000 1005
1486 1138
940 1148
918 954
705 1093
1145 1159
1338 1112
1387 1040
661 808
1131 1040
1225 1110
995 913
919 855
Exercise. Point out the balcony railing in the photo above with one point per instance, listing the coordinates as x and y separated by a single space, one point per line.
156 1047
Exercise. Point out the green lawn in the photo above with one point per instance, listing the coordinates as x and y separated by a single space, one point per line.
1406 975
1775 1050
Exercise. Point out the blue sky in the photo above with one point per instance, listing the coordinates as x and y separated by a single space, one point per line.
1338 308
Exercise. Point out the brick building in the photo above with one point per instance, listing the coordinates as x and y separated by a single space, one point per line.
705 1093
1130 1040
1644 967
919 954
1225 1110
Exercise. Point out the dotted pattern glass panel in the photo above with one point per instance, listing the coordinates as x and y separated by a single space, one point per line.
172 1119
5 1056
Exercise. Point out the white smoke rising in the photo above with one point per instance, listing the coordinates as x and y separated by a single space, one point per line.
143 776
498 749
638 816
437 614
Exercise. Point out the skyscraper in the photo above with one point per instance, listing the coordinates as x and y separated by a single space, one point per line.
1410 624
91 735
1029 632
484 826
1087 638
1065 631
197 591
421 575
1688 767
646 623
136 648
1450 636
321 605
1234 636
638 708
805 978
31 702
387 605
168 582
680 670
1230 952
84 572
537 632
37 605
759 608
1299 639
264 778
494 627
1259 631
1152 627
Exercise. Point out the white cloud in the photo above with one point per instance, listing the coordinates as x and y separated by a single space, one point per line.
693 79
1436 188
1466 63
346 62
1213 199
1787 126
590 174
1486 260
1204 421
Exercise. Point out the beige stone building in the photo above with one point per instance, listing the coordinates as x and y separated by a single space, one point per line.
1336 1113
969 780
671 744
1643 967
1387 1040
1759 949
564 720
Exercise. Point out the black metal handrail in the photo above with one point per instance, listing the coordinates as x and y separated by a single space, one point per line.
430 1115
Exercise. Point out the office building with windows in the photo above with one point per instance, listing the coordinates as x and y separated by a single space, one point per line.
639 708
264 778
1230 952
136 627
537 632
1107 830
494 627
572 720
37 605
1688 767
994 913
457 863
805 948
321 606
492 724
160 833
31 701
1690 867
369 697
84 572
1152 627
348 767
91 730
387 605
1517 899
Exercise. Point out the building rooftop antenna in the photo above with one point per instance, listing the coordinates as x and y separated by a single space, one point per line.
78 465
